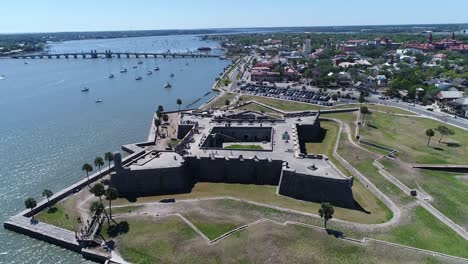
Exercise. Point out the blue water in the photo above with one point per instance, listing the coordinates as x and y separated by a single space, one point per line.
49 128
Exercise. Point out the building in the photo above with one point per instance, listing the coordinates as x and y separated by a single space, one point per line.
458 107
217 147
265 76
307 46
443 97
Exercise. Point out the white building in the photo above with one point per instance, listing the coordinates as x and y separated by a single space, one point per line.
307 47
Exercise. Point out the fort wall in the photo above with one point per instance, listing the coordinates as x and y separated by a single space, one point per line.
317 189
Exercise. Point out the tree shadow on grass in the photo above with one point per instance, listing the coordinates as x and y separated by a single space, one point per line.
52 210
118 229
335 233
439 149
452 145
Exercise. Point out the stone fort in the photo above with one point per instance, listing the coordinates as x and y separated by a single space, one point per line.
243 147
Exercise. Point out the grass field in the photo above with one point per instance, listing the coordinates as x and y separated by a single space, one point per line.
280 104
407 135
244 147
404 134
58 217
260 108
219 101
170 240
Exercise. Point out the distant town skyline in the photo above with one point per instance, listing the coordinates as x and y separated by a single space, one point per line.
87 15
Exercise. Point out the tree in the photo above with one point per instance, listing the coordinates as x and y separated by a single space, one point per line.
96 207
87 168
159 114
326 212
47 194
98 190
30 203
179 103
157 123
109 157
444 131
334 97
429 133
111 194
227 102
362 98
160 108
98 162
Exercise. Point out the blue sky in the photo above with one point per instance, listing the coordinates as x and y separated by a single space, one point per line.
93 15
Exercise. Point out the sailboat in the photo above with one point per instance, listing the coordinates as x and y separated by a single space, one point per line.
168 85
124 70
138 78
85 89
156 69
149 72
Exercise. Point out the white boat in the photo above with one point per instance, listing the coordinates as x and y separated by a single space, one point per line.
168 85
140 62
138 78
2 77
86 89
99 101
123 70
149 72
134 67
111 76
172 75
156 69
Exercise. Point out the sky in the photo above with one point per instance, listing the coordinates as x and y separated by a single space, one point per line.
97 15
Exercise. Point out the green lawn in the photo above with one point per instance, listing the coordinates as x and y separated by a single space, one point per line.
244 147
404 134
170 240
58 217
213 227
407 135
280 104
219 101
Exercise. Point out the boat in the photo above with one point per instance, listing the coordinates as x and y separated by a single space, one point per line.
86 89
172 75
156 69
138 78
26 62
149 72
111 76
99 101
168 85
140 62
2 77
207 93
134 67
123 70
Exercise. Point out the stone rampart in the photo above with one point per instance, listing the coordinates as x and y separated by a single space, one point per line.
317 189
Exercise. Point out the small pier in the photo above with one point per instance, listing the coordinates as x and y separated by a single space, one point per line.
109 54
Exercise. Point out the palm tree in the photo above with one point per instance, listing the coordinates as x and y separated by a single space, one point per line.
30 203
444 131
157 123
98 162
111 194
429 133
47 193
326 212
109 157
87 168
98 190
179 102
97 208
159 114
362 98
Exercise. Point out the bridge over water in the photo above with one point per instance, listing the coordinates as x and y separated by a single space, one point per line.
109 54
